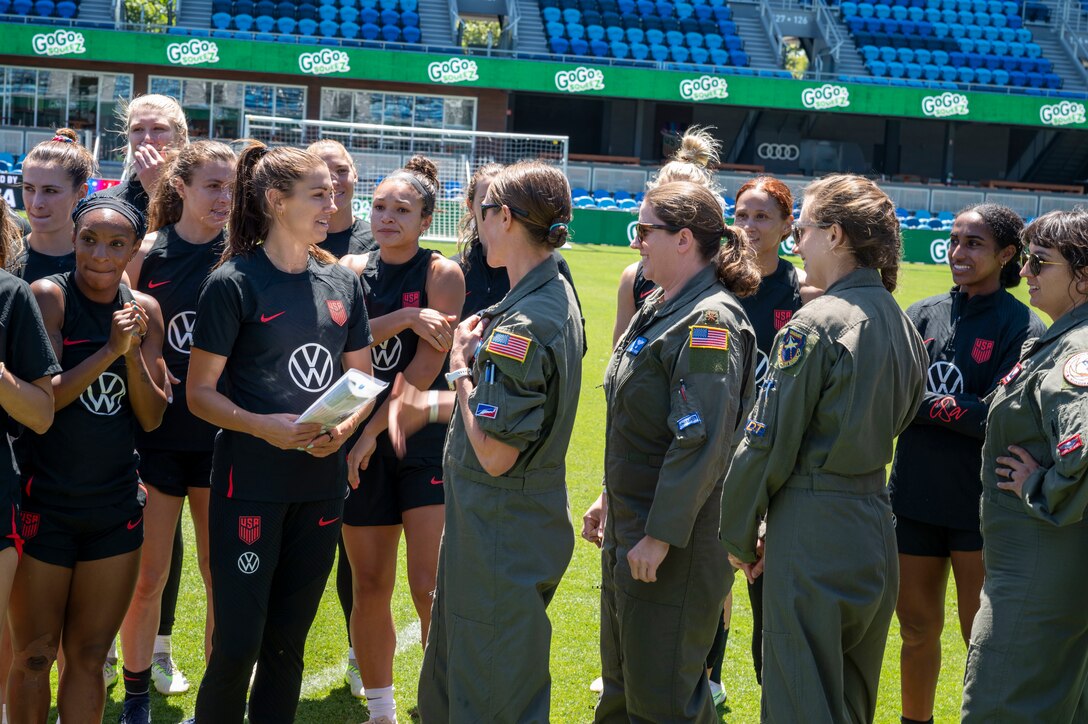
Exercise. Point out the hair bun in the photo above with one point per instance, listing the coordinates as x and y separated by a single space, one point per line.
423 166
67 133
698 147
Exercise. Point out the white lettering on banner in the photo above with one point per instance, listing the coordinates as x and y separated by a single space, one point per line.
59 42
193 52
324 62
1065 113
826 96
946 104
454 70
579 80
938 251
704 87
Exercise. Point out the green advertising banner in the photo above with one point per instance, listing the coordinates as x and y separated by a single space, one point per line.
617 228
538 76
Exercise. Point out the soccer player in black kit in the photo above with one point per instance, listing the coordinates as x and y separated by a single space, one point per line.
190 206
55 175
973 334
27 362
82 514
401 279
347 234
280 321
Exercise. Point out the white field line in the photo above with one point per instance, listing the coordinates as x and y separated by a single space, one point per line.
330 676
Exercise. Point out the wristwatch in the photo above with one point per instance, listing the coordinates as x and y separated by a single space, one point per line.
453 376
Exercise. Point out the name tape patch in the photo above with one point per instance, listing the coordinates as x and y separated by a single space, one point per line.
755 428
688 420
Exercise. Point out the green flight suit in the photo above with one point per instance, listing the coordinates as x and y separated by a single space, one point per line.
1028 659
508 539
677 387
845 377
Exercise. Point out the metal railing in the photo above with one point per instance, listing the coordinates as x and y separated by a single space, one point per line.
770 26
456 24
828 26
509 39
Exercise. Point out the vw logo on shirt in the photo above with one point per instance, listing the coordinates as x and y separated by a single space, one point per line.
103 396
944 378
179 333
762 364
311 367
249 562
386 355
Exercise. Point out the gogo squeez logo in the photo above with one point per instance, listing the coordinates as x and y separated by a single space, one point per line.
193 52
1065 113
703 88
944 105
324 62
59 42
454 70
826 96
579 80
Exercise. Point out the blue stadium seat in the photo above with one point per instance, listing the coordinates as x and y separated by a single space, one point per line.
626 6
727 27
739 58
264 7
598 48
734 43
572 15
264 23
905 55
1018 79
699 55
940 57
723 13
619 49
328 12
286 25
660 53
957 58
674 37
1036 80
896 69
870 53
349 30
888 54
984 76
328 28
67 9
409 19
694 40
578 46
1001 77
882 11
931 72
558 45
348 15
390 33
878 68
993 62
411 34
940 30
684 10
704 12
665 8
44 8
615 34
1017 49
219 20
373 17
899 12
914 70
999 47
640 51
1033 50
389 17
576 31
948 73
1053 81
551 15
243 7
679 53
308 26
719 57
594 32
243 22
655 37
635 35
555 30
922 56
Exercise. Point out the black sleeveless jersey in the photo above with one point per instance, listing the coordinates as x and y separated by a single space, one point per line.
642 287
26 353
356 239
390 287
283 336
87 458
32 265
770 308
132 191
486 286
173 272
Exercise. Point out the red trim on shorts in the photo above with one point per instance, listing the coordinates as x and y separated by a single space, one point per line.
230 482
15 537
29 482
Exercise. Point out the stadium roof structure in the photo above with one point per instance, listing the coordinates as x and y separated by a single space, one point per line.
155 49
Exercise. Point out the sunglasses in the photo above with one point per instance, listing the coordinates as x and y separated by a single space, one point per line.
1035 263
484 208
798 229
643 230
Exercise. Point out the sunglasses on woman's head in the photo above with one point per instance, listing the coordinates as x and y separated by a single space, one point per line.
1035 263
484 208
798 229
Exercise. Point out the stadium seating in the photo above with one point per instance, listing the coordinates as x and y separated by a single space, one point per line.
953 41
326 20
700 32
61 9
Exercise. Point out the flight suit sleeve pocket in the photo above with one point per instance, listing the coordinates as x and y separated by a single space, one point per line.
508 409
760 424
685 418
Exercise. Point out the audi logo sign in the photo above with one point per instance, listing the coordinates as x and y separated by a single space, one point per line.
778 151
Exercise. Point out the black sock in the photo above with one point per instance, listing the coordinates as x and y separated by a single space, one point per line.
905 720
137 683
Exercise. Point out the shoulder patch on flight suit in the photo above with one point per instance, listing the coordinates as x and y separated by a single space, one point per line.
755 428
1069 444
710 316
509 345
1075 370
708 348
793 346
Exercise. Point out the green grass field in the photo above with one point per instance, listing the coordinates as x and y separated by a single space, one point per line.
574 613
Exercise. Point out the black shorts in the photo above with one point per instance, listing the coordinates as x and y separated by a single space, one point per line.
390 486
916 538
66 536
9 526
173 472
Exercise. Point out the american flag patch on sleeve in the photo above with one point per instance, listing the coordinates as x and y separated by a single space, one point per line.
703 337
509 345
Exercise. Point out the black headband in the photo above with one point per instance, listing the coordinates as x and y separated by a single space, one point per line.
113 203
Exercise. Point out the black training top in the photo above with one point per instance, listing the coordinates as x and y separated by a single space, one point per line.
642 287
87 458
33 265
390 287
132 191
283 335
486 286
972 343
27 354
356 239
773 304
173 272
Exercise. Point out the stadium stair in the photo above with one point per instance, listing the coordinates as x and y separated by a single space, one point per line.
850 62
96 11
434 22
1064 65
194 13
1066 158
531 37
756 43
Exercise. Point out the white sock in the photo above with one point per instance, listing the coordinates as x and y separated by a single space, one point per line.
380 702
162 644
113 650
351 653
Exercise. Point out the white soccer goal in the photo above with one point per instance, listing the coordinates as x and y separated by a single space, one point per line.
381 150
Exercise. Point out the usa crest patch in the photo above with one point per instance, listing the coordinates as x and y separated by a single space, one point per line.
337 311
982 350
792 348
249 528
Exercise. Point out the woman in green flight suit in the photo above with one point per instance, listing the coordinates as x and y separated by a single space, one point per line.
677 386
508 537
1028 660
846 376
